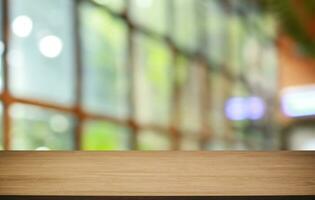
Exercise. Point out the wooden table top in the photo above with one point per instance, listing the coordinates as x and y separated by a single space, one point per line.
157 173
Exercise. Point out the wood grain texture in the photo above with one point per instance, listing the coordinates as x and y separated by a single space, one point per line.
157 197
157 173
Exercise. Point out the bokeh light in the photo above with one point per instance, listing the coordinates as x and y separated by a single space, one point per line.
22 26
50 46
298 101
243 108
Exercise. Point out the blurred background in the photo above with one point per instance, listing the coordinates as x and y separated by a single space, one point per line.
157 74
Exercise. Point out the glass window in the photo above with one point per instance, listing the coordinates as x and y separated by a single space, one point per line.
2 46
104 46
235 42
153 80
217 100
41 51
216 27
150 14
190 95
269 62
254 138
35 128
252 51
237 140
116 5
98 135
217 144
186 24
189 143
239 89
153 141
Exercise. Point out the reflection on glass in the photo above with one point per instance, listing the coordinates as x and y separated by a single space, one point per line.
99 135
116 5
186 24
104 45
153 141
153 80
41 51
35 128
150 14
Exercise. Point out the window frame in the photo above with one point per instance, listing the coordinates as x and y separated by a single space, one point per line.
81 115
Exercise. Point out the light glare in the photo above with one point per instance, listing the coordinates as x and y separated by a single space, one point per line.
22 26
243 108
1 47
43 148
50 46
298 102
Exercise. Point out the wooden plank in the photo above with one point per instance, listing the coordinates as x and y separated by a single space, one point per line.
157 173
158 198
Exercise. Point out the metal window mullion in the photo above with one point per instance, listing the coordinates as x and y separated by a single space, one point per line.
5 93
175 92
132 122
78 78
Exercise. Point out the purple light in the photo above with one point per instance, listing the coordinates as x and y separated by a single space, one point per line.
256 108
242 108
235 108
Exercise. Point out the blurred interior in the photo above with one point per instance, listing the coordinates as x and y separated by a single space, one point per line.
157 74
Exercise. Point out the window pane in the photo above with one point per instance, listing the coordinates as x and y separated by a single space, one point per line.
235 42
252 51
41 50
153 80
191 95
189 144
1 46
269 76
255 138
35 128
150 14
185 30
216 26
218 95
217 144
155 141
98 135
104 47
116 5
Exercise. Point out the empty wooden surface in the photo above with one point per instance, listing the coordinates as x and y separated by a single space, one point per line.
157 173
